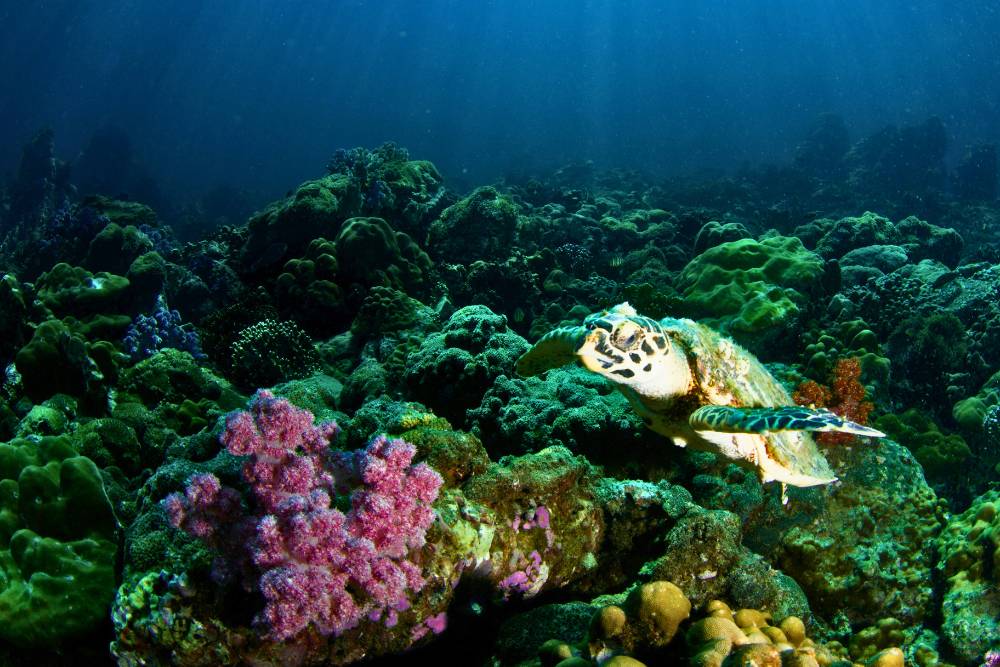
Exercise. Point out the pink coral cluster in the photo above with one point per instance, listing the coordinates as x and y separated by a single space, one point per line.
316 564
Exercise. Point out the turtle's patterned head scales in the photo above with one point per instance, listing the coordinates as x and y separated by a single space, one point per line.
635 352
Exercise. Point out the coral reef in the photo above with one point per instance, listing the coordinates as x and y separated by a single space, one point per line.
465 514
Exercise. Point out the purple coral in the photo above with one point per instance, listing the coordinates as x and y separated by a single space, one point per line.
150 333
527 581
316 564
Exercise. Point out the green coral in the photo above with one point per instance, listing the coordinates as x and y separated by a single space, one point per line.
751 290
72 290
57 543
307 287
969 549
387 310
568 407
370 252
272 351
848 233
120 212
112 442
970 413
56 361
862 550
452 369
153 617
940 454
316 208
14 302
173 376
481 226
115 248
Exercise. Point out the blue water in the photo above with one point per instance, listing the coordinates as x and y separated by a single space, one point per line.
259 94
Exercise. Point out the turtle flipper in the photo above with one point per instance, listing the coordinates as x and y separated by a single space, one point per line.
728 419
556 348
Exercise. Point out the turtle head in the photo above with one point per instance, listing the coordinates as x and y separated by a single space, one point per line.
635 352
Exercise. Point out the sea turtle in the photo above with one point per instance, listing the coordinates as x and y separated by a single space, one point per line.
698 388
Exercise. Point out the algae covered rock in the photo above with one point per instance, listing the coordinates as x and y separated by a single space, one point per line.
862 549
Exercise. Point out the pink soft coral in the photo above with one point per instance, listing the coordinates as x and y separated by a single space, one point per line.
316 564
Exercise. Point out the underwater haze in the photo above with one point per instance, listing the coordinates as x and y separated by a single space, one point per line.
499 334
260 93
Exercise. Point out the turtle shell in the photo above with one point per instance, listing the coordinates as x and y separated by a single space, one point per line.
727 374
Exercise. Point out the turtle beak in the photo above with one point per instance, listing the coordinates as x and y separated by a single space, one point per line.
588 354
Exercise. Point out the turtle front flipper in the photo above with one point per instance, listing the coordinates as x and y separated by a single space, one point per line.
728 419
556 348
774 441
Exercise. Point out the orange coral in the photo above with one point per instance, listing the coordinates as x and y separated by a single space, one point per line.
811 392
845 397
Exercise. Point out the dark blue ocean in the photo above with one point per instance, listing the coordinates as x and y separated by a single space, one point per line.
258 94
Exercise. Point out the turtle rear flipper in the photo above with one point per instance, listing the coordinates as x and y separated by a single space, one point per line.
556 348
728 419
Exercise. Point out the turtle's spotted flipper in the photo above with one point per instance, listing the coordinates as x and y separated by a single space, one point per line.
556 348
727 419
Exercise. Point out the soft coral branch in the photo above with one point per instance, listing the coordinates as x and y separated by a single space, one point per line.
845 396
313 563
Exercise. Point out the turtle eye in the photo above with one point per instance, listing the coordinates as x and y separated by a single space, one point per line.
626 337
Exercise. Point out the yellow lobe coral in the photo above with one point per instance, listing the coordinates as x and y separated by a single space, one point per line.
658 608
